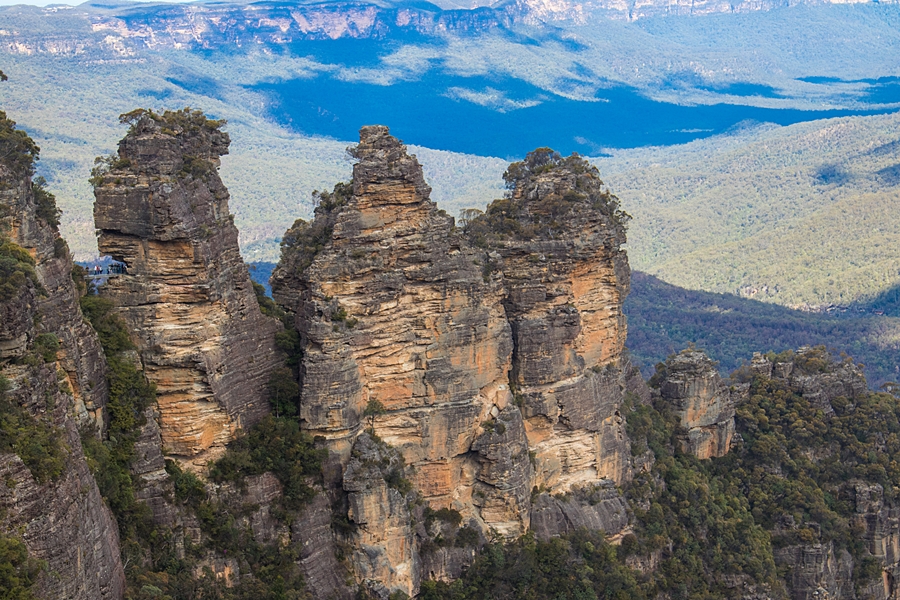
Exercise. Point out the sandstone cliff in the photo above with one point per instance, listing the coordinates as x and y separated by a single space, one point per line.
691 384
51 361
402 332
417 331
162 210
557 240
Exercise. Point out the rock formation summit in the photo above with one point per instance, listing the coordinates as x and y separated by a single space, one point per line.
487 355
162 211
557 239
401 330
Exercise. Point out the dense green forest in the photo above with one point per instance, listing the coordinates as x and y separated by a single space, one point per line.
798 215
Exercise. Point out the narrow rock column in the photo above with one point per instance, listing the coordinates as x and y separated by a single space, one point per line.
403 330
186 294
557 238
692 384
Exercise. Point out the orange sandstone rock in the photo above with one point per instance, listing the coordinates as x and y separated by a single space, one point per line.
163 211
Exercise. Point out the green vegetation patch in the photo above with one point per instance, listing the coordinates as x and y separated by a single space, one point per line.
304 240
174 122
45 203
16 268
275 445
274 569
130 394
663 318
18 152
18 571
516 217
38 444
581 566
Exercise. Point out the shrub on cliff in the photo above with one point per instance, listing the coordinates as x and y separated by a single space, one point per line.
530 211
275 445
304 240
16 268
184 120
37 443
45 202
17 151
582 565
18 571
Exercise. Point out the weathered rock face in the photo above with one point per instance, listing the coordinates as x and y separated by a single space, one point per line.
881 526
817 571
692 385
81 357
408 329
557 240
396 315
163 211
598 508
62 519
385 552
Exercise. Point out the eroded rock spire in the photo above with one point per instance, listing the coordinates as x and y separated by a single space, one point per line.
162 210
557 238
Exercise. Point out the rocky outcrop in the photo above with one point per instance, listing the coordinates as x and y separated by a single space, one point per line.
63 520
56 373
401 329
162 210
413 334
817 571
880 523
597 508
691 383
813 374
557 239
385 554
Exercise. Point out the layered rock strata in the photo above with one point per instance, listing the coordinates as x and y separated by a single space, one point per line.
692 385
81 356
162 210
385 554
597 508
414 332
557 239
401 330
59 514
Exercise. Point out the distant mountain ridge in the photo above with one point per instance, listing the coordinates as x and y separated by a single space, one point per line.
125 28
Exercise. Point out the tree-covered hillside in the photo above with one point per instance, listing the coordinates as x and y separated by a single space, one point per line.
792 511
802 215
663 318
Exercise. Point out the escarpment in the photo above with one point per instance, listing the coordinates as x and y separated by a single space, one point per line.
557 239
52 384
162 211
466 384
